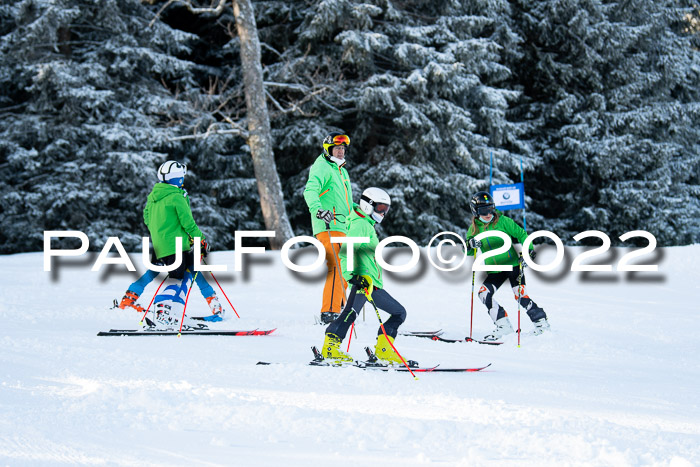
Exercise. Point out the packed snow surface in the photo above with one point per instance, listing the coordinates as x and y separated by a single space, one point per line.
616 381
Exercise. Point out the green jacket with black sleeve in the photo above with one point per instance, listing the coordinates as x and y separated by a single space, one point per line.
504 224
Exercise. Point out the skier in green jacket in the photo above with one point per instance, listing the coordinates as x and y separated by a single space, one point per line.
487 218
136 288
366 274
168 216
328 195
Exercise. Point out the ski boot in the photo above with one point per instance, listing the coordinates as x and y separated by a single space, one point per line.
129 300
541 326
386 355
331 350
165 319
503 327
327 317
215 306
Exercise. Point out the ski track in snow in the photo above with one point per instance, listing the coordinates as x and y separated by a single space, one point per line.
615 383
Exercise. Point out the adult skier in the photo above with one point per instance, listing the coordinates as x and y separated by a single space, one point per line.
488 218
168 216
328 195
366 274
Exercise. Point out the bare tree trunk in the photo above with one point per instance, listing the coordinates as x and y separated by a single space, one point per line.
259 139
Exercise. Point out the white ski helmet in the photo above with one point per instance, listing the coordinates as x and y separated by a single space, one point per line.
172 172
375 202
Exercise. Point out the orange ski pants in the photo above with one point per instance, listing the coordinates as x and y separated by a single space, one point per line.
334 289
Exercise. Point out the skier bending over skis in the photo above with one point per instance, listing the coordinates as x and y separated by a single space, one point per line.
168 216
365 275
486 218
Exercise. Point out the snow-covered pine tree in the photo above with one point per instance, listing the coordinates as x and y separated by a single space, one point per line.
421 91
93 96
599 97
614 89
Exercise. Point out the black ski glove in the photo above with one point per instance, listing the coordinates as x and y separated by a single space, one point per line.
363 283
359 281
325 215
205 248
523 264
473 243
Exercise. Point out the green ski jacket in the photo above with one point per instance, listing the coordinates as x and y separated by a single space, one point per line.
328 188
364 263
168 215
507 225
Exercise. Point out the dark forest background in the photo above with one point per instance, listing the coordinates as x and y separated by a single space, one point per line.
600 100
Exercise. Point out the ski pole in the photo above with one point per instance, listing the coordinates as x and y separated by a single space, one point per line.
352 330
154 297
222 291
522 271
350 339
351 300
381 324
471 319
335 257
337 268
187 297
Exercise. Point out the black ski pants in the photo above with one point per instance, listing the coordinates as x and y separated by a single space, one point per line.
494 281
356 300
179 272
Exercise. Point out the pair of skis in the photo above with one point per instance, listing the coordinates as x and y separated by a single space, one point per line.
373 363
197 331
437 336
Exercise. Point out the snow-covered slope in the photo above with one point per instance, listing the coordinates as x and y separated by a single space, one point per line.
617 381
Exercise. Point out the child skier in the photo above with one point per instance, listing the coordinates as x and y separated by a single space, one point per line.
168 216
486 218
365 275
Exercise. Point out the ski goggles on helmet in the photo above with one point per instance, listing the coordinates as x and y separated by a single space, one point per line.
341 139
487 210
381 208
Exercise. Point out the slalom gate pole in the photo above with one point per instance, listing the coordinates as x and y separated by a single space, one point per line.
153 299
522 180
187 297
222 291
471 319
381 324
